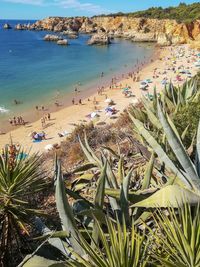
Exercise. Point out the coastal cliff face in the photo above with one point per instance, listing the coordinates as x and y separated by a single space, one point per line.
164 32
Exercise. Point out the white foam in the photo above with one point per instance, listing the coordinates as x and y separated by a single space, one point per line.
3 110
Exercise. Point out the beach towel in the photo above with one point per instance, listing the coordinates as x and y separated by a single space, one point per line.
37 141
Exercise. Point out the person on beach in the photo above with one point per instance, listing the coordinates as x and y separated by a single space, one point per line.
49 116
16 102
43 122
11 122
73 101
80 102
14 121
56 103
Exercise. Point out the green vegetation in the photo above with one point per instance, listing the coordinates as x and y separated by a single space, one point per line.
132 205
20 179
182 13
189 114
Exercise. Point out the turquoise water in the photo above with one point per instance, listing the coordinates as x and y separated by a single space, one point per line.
32 70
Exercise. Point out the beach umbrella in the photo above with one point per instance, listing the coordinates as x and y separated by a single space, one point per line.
93 115
108 100
143 83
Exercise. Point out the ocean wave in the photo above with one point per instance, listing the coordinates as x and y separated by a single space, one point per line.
3 110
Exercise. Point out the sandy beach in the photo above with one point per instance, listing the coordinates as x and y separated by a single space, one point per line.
166 67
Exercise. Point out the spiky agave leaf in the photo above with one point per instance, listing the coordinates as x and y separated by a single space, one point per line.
162 156
148 172
119 248
89 154
124 196
197 160
99 201
170 196
179 151
21 176
66 214
177 237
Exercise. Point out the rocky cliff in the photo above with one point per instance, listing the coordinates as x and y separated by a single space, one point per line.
164 32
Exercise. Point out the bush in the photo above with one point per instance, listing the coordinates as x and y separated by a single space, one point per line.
188 115
182 13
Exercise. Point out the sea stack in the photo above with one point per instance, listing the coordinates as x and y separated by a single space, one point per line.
71 34
7 26
62 42
100 38
19 27
52 37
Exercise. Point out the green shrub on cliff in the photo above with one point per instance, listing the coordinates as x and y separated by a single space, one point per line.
181 13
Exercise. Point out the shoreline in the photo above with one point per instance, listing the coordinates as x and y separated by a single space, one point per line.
64 99
68 117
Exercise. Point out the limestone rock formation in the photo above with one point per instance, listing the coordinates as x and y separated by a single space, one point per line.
99 39
88 26
143 37
164 32
62 42
71 34
163 39
52 37
7 26
20 27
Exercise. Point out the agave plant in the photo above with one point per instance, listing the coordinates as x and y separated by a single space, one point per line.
172 99
98 245
186 185
20 178
177 237
125 184
172 240
120 247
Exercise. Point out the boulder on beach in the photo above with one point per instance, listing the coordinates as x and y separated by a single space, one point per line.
100 38
52 37
7 26
62 42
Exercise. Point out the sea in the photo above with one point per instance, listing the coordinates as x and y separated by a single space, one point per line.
36 72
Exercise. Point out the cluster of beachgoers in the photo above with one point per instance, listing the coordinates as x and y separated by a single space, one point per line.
176 64
15 121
